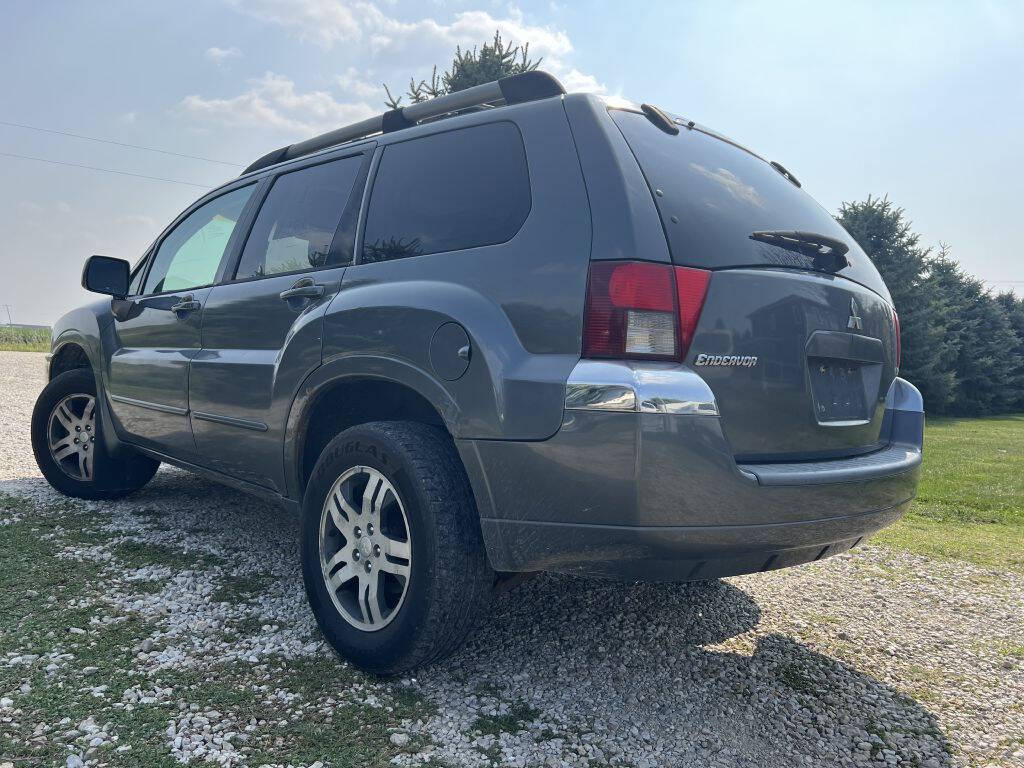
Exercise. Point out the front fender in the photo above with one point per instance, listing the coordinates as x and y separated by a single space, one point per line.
83 326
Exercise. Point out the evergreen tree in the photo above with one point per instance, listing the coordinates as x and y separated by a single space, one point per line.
492 61
1014 309
983 364
886 236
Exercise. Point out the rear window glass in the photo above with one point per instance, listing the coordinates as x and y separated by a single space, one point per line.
712 195
449 191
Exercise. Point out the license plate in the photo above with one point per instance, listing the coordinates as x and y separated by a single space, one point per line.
839 389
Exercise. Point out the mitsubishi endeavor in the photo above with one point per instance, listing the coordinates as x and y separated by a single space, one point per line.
502 331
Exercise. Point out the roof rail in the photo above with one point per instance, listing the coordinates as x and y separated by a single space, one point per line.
514 89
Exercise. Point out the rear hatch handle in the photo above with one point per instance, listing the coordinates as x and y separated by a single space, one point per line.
829 254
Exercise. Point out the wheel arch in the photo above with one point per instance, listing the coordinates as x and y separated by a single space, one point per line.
70 351
357 390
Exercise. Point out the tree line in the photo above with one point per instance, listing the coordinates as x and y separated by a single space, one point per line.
963 346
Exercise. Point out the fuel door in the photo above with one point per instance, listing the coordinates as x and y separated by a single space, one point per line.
450 351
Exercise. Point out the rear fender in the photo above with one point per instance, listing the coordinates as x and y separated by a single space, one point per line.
353 367
506 392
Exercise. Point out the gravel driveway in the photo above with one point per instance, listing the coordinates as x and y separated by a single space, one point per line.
875 657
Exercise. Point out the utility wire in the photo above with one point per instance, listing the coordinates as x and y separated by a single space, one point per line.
105 170
116 143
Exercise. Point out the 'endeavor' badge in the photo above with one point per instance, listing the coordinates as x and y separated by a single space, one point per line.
741 361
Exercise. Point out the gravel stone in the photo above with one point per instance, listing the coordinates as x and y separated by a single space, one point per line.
876 657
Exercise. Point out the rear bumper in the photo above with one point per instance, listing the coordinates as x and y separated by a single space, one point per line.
644 486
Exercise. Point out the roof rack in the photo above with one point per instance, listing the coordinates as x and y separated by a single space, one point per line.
514 89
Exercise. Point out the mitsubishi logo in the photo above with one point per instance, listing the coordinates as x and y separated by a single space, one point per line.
854 322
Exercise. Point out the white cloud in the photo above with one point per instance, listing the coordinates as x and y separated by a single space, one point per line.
360 84
324 22
220 55
414 46
30 208
136 220
396 49
128 118
274 102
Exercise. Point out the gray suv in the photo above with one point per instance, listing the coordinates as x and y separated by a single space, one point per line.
502 331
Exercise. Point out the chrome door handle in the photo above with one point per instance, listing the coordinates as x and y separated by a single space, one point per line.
187 304
303 289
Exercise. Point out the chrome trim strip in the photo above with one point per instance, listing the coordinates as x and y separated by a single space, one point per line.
638 387
172 409
232 421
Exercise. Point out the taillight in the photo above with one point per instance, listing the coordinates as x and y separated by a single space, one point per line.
899 343
642 310
692 287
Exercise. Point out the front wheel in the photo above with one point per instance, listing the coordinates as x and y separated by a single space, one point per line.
392 556
66 441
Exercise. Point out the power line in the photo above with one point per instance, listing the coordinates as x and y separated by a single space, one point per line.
105 170
116 143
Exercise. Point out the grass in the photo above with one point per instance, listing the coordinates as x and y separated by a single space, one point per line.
970 504
516 719
43 596
24 339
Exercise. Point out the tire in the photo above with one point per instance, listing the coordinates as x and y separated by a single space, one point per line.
414 479
88 470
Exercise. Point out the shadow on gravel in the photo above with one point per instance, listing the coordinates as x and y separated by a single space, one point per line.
640 660
635 668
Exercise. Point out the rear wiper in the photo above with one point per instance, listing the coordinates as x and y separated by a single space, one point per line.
828 253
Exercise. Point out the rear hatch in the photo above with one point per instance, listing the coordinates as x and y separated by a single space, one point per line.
799 351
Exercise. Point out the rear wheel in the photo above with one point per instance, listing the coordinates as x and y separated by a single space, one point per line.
67 443
392 555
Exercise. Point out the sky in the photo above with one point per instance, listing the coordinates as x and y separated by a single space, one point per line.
920 101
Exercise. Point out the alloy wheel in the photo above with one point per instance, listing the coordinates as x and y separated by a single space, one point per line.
71 436
365 548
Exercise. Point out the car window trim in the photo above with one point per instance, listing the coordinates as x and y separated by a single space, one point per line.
364 205
207 198
141 266
372 180
230 275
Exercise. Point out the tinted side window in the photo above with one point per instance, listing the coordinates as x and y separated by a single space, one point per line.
453 190
298 221
189 256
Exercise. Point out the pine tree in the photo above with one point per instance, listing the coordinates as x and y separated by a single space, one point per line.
983 365
1014 308
492 61
886 236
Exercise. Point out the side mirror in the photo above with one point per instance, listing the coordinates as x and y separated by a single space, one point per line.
104 274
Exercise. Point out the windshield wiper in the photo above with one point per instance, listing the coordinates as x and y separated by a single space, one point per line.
828 253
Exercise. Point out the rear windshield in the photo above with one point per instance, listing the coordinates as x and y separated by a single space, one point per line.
712 195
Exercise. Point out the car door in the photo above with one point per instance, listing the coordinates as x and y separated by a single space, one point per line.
263 327
159 334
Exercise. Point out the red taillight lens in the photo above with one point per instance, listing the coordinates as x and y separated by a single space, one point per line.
639 309
692 287
899 342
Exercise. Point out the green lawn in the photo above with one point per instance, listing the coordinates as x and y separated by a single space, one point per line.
24 339
970 505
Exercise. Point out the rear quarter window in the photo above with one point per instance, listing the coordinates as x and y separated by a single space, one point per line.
448 191
711 195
